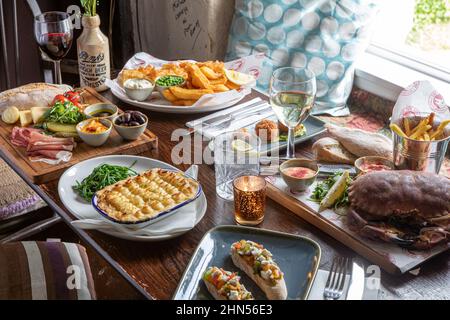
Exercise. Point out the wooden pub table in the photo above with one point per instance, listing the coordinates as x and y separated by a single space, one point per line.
155 268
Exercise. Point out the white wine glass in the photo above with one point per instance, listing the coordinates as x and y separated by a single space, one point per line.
292 95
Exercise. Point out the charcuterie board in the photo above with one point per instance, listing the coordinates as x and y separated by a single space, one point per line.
390 257
40 172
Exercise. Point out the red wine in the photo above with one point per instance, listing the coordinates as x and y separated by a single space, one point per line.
55 45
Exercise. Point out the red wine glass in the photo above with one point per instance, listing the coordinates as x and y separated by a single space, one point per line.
54 35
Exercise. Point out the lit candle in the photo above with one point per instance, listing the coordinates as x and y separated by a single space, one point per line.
249 200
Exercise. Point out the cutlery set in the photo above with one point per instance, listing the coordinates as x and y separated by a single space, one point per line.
224 121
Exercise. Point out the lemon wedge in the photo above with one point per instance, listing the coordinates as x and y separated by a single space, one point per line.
335 192
239 78
241 146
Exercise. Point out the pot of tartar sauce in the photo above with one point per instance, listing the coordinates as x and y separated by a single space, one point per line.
138 89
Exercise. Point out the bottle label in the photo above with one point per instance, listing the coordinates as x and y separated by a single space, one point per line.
93 69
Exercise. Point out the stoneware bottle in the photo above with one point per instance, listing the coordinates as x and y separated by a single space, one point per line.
93 55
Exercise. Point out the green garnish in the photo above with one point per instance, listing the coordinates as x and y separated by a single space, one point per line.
169 81
299 133
323 187
90 7
64 113
102 176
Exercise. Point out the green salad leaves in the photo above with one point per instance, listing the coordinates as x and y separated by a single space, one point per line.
64 113
322 189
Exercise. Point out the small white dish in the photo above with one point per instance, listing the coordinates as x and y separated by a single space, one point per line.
95 139
138 94
130 133
160 88
92 111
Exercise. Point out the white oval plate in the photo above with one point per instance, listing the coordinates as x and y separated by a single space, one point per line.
160 105
84 210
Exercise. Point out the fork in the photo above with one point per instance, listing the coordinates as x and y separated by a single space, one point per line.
334 287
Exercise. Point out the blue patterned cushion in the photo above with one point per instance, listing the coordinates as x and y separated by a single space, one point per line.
323 35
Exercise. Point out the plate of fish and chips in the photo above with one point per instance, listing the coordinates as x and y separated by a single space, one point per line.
208 86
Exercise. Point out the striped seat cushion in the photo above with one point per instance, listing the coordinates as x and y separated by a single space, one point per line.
45 271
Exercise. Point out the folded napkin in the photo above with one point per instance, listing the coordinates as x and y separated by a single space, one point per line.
261 111
181 222
319 286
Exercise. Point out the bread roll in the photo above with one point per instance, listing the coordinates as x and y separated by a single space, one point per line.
31 95
331 151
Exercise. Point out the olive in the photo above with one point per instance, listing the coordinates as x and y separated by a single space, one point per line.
134 124
135 115
140 119
126 117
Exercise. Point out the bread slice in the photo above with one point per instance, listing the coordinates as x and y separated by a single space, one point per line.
273 292
225 285
213 291
331 151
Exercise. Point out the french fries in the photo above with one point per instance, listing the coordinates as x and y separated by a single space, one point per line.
220 88
168 95
232 86
398 130
189 94
201 78
210 73
423 131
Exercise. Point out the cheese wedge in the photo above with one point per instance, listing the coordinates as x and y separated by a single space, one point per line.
37 113
25 118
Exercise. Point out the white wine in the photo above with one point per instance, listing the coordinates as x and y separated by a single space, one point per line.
292 107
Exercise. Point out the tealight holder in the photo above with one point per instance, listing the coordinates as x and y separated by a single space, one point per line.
249 200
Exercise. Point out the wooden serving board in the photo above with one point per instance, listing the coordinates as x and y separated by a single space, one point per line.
41 172
389 257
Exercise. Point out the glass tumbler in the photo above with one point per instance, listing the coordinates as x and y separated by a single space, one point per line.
236 154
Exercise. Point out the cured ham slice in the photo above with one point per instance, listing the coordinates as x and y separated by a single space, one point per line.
56 147
42 148
39 141
20 137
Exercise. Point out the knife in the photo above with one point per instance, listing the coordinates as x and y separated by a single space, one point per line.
244 109
357 282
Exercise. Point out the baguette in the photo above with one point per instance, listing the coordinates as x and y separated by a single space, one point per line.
258 264
362 143
331 151
31 95
225 285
